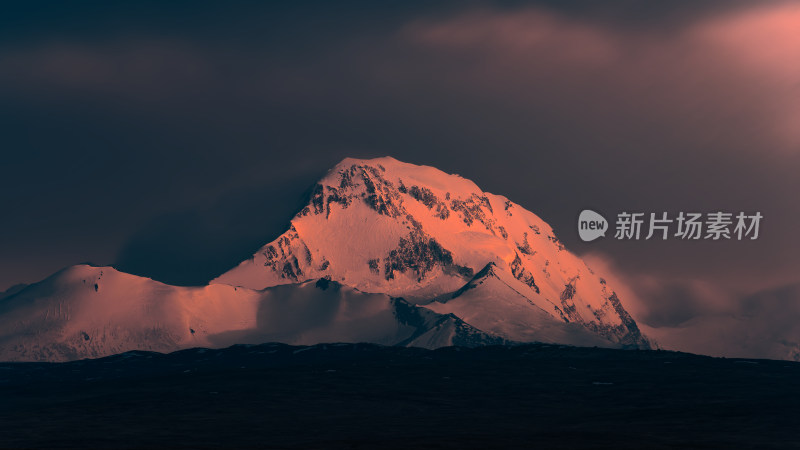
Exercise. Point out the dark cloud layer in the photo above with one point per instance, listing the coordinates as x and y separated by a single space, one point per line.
191 246
173 140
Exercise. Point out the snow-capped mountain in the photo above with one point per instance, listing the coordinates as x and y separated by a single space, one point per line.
381 225
384 252
85 311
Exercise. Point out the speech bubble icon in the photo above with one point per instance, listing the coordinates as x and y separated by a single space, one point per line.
591 225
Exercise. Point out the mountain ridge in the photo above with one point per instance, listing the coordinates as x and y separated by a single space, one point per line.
83 311
370 258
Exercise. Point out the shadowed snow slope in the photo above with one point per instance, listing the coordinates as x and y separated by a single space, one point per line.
86 311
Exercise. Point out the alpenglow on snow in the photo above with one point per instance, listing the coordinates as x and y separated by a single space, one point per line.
384 252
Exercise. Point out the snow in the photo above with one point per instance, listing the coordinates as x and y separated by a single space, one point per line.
497 305
378 230
64 318
341 239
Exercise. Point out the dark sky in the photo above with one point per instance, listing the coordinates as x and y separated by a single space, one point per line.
173 141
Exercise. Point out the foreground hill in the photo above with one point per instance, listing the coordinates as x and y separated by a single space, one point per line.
367 396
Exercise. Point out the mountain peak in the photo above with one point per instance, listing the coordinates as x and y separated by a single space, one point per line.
383 225
381 160
488 271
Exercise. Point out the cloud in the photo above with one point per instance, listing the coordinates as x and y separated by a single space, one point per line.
732 69
763 44
130 69
695 316
684 118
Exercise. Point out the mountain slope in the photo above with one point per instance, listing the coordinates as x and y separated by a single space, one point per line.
86 311
493 302
385 226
